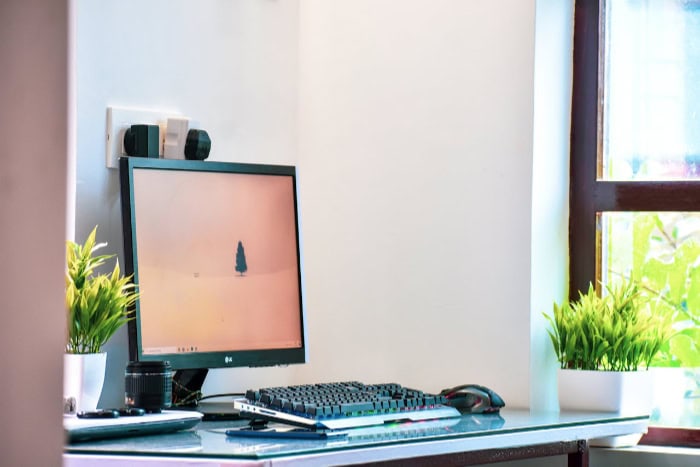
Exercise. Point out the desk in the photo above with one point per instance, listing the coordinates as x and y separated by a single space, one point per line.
470 440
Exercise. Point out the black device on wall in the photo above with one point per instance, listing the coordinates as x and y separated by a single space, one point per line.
214 250
197 145
142 140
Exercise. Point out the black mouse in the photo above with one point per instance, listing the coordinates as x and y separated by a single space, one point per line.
473 398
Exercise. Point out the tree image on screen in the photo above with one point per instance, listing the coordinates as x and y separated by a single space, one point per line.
241 265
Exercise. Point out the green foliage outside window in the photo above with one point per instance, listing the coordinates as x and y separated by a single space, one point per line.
666 259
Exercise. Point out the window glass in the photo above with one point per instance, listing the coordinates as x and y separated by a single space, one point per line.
636 118
651 95
662 251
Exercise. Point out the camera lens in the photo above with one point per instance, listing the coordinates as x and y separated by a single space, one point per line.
148 385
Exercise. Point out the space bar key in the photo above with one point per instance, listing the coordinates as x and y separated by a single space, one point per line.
352 407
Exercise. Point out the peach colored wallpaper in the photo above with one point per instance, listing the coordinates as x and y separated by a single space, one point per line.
188 226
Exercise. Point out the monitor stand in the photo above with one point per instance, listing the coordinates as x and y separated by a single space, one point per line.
187 390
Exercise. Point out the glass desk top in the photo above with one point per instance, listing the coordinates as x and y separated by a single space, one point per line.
472 432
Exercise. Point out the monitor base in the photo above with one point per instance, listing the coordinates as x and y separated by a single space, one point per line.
187 392
187 387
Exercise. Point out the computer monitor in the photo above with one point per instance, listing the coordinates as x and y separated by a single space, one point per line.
214 250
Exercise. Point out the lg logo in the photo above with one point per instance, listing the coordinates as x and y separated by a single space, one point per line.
228 359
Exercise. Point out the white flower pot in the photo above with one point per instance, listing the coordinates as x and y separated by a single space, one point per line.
626 393
83 378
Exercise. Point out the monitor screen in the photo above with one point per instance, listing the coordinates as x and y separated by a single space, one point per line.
214 250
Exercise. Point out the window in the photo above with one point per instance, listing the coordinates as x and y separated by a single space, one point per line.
635 166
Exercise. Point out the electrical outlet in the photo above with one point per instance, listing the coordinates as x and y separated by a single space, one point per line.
119 119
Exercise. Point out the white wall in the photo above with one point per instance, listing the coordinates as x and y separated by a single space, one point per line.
412 126
550 181
33 156
416 155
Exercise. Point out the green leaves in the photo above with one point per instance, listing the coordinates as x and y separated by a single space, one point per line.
98 304
667 262
654 320
617 332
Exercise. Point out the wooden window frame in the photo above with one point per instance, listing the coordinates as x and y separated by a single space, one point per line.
589 196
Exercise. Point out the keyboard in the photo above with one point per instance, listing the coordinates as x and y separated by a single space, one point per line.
343 405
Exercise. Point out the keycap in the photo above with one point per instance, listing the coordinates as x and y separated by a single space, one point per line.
277 402
356 407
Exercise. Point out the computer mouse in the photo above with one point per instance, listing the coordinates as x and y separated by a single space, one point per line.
473 398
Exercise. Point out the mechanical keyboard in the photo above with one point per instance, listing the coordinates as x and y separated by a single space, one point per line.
343 405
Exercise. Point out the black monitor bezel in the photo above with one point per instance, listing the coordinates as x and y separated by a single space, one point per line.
204 360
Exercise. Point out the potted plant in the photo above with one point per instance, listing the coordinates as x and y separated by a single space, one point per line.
604 345
97 305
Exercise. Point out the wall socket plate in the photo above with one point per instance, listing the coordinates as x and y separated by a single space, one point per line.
119 119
